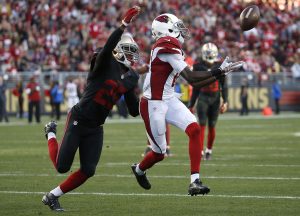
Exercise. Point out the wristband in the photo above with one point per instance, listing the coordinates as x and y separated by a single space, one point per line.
124 23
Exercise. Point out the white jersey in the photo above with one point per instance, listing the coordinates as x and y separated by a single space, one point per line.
73 98
166 63
71 89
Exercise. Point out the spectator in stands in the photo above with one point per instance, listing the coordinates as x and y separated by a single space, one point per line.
57 35
33 92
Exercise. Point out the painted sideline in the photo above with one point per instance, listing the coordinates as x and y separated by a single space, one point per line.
155 176
159 195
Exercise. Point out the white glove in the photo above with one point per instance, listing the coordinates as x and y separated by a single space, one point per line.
228 67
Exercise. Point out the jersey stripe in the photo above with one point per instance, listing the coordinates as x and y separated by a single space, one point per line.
160 72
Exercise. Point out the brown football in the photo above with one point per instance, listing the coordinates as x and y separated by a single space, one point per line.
249 17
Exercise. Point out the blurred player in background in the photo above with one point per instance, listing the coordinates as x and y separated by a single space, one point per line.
33 91
244 97
209 100
3 112
58 97
72 95
18 92
159 105
276 94
110 77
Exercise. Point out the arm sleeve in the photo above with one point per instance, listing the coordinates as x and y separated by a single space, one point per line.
110 45
194 97
175 60
224 89
132 102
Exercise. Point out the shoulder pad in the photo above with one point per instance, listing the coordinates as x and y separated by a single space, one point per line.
168 45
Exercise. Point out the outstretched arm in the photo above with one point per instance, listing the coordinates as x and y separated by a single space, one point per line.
203 78
199 79
114 38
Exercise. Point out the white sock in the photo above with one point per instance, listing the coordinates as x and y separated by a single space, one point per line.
138 170
194 177
57 192
208 150
51 135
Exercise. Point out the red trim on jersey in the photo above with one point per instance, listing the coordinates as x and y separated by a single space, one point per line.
160 72
144 112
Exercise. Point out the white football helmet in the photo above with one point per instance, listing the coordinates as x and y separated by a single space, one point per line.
209 53
169 25
127 50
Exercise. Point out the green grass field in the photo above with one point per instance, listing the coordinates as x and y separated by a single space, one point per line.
255 170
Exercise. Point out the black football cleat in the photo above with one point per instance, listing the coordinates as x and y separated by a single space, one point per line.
207 156
141 179
52 201
50 127
196 188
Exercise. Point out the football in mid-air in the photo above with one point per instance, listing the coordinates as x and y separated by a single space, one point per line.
249 17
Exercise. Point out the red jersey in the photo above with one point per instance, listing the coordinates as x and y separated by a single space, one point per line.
33 91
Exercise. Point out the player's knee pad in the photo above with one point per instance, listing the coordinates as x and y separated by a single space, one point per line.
89 171
193 130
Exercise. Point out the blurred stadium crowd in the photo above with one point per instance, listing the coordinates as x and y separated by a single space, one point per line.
52 35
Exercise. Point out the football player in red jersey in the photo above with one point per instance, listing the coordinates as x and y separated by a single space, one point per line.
33 91
160 106
209 101
110 77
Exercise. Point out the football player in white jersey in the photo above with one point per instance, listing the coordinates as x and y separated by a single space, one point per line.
71 90
159 105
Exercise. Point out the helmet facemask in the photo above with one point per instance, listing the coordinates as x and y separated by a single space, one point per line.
209 53
126 53
184 33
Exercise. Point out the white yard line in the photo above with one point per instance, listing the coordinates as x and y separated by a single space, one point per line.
139 120
206 164
154 176
158 195
297 134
